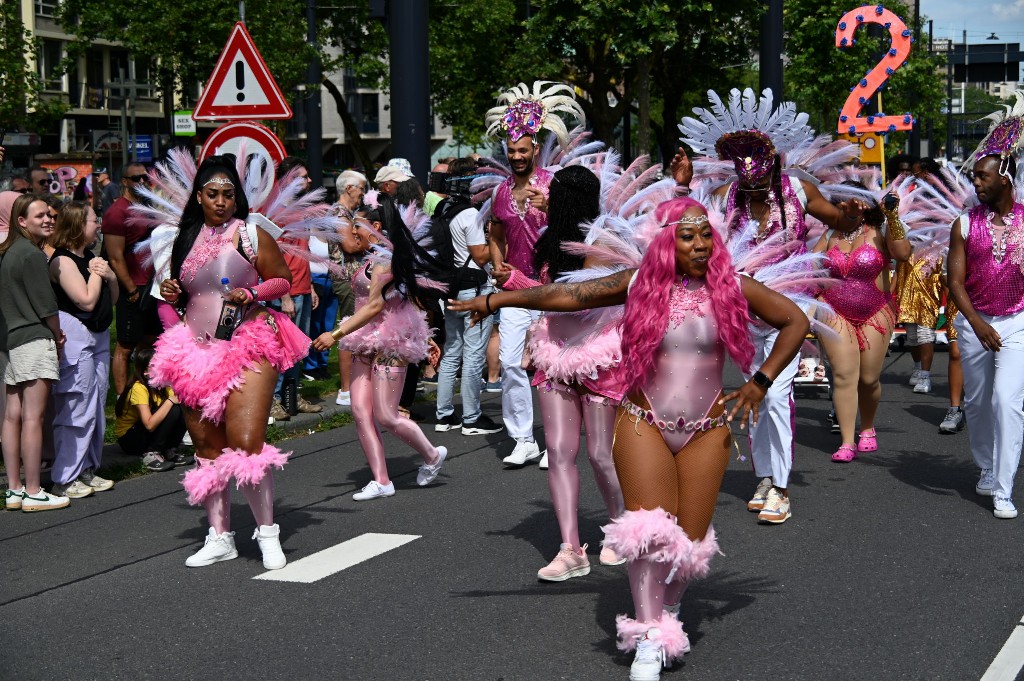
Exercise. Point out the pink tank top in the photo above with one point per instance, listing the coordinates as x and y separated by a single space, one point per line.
687 376
521 230
994 284
856 297
213 257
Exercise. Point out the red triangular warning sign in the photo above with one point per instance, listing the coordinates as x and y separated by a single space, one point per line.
241 86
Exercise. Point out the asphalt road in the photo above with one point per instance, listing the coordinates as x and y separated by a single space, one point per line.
891 568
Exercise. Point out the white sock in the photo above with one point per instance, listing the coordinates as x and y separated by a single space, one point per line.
917 366
925 373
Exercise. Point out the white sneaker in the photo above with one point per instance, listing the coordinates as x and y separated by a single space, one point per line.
187 439
915 377
269 539
1003 508
524 453
344 399
543 465
650 658
75 489
924 385
427 472
42 501
217 547
985 483
373 490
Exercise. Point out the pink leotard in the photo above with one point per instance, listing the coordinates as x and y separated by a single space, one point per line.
521 232
213 257
995 287
857 298
687 379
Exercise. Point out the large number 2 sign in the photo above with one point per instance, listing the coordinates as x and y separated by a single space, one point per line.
850 120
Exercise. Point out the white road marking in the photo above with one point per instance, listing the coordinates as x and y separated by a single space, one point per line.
1010 659
337 558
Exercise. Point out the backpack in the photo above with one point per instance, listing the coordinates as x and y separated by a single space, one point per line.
461 277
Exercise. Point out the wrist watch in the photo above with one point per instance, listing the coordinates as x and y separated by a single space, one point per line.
762 380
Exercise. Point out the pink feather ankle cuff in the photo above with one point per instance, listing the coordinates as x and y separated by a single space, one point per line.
250 469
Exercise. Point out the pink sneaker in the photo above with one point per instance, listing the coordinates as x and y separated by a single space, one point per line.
609 557
566 565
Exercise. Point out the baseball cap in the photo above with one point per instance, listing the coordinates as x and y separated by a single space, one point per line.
390 174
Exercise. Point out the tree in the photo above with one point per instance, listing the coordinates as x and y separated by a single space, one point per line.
22 103
819 76
181 39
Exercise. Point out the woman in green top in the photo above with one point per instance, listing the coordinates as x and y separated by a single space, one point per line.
31 329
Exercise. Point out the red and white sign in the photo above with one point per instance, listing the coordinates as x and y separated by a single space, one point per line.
241 86
248 137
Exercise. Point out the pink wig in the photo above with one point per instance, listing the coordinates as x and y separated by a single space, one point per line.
646 317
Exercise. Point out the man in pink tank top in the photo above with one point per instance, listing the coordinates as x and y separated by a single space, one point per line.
986 280
518 214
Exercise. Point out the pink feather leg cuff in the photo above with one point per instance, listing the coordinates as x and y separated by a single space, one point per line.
272 289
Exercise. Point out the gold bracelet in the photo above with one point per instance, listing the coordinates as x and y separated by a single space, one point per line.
896 229
337 334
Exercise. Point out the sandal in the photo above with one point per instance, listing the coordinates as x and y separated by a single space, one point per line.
867 441
845 454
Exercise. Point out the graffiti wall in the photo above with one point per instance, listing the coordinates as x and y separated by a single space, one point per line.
65 176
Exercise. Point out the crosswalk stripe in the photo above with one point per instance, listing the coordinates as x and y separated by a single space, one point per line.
1010 659
337 558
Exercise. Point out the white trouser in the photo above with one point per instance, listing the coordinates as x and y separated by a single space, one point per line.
771 440
516 394
993 397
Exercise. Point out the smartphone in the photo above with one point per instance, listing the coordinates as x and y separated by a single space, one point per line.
890 202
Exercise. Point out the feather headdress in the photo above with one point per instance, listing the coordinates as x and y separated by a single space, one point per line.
1005 138
524 112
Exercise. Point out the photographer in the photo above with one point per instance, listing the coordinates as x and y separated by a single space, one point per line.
467 251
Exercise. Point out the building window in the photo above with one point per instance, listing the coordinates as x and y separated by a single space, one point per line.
49 56
46 8
369 113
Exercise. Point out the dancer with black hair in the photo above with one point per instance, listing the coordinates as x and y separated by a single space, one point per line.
387 333
223 359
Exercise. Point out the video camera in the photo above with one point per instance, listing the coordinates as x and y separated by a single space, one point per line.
445 183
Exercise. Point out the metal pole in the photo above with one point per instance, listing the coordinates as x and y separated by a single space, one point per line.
241 11
771 50
949 102
314 114
124 121
410 82
915 132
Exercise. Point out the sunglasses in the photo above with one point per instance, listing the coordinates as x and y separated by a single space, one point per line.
138 178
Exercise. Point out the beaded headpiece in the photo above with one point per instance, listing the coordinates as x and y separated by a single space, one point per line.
1004 139
696 220
220 181
521 113
750 132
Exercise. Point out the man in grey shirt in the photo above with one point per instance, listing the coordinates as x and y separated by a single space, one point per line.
464 344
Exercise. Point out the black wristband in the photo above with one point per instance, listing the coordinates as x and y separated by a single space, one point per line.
762 380
487 303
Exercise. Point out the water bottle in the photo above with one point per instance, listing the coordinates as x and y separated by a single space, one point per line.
230 313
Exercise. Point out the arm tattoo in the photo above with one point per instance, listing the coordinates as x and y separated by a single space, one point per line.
582 294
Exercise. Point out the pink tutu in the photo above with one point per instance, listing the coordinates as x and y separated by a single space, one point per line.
202 374
399 332
590 360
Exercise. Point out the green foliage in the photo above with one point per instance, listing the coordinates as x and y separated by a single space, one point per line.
182 38
22 104
819 76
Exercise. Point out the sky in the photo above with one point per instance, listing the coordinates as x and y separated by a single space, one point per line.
980 18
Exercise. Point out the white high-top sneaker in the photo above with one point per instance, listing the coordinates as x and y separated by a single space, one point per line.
269 539
218 547
649 659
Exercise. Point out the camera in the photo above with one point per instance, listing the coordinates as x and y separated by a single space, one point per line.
436 182
459 186
230 319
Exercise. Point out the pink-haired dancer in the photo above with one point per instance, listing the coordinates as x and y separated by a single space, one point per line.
670 450
387 332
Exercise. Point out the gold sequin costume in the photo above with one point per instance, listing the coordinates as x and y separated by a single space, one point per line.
918 292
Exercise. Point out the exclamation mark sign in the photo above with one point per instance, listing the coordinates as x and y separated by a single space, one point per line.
240 80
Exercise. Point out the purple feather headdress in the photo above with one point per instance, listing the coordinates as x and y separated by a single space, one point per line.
1004 139
522 112
751 152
